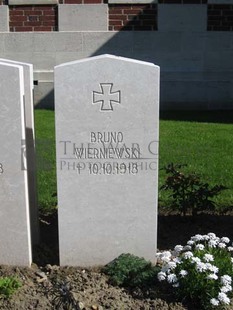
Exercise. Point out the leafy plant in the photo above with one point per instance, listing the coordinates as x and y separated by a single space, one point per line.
189 193
201 271
8 285
130 271
63 297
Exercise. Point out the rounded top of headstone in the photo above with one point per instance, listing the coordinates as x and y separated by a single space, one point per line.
109 57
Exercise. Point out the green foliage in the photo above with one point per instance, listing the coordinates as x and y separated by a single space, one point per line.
8 285
63 297
201 271
130 271
189 193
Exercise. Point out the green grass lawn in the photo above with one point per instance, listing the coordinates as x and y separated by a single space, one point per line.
204 146
46 160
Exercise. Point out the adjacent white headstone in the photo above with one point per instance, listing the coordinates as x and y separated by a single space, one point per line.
30 145
15 239
107 122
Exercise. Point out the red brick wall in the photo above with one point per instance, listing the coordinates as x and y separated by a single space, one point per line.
220 17
136 17
33 18
133 17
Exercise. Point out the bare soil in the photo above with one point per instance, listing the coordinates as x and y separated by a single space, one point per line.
89 288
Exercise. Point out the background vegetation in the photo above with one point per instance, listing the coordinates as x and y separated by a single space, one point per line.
203 141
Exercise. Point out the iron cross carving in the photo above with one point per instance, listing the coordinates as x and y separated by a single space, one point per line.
106 97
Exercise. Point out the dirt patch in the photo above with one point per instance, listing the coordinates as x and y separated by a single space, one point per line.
89 288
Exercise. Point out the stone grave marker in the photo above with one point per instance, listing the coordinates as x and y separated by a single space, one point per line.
30 145
15 237
107 123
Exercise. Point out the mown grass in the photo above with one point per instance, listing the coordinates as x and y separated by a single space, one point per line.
46 160
206 148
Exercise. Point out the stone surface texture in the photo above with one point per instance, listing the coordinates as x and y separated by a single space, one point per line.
30 144
107 206
200 59
78 17
187 18
4 18
15 241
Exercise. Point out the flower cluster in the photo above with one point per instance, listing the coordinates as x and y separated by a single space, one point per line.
200 270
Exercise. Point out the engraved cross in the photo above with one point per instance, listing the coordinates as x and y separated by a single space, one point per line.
106 97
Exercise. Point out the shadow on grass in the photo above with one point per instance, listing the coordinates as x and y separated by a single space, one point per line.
225 117
177 229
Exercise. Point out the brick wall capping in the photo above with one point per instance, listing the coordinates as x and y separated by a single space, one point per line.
32 2
131 1
220 1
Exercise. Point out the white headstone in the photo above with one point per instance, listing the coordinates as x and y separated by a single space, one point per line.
30 145
15 238
107 122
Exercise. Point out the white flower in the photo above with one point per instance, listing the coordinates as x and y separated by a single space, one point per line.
222 245
176 285
165 256
208 258
197 238
188 255
230 248
232 260
205 237
178 248
214 302
200 246
201 266
183 273
212 276
212 243
161 276
226 288
171 265
195 260
190 242
226 280
187 248
223 298
212 235
177 260
225 240
172 278
212 268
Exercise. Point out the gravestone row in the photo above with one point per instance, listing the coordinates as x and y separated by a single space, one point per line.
19 226
107 123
